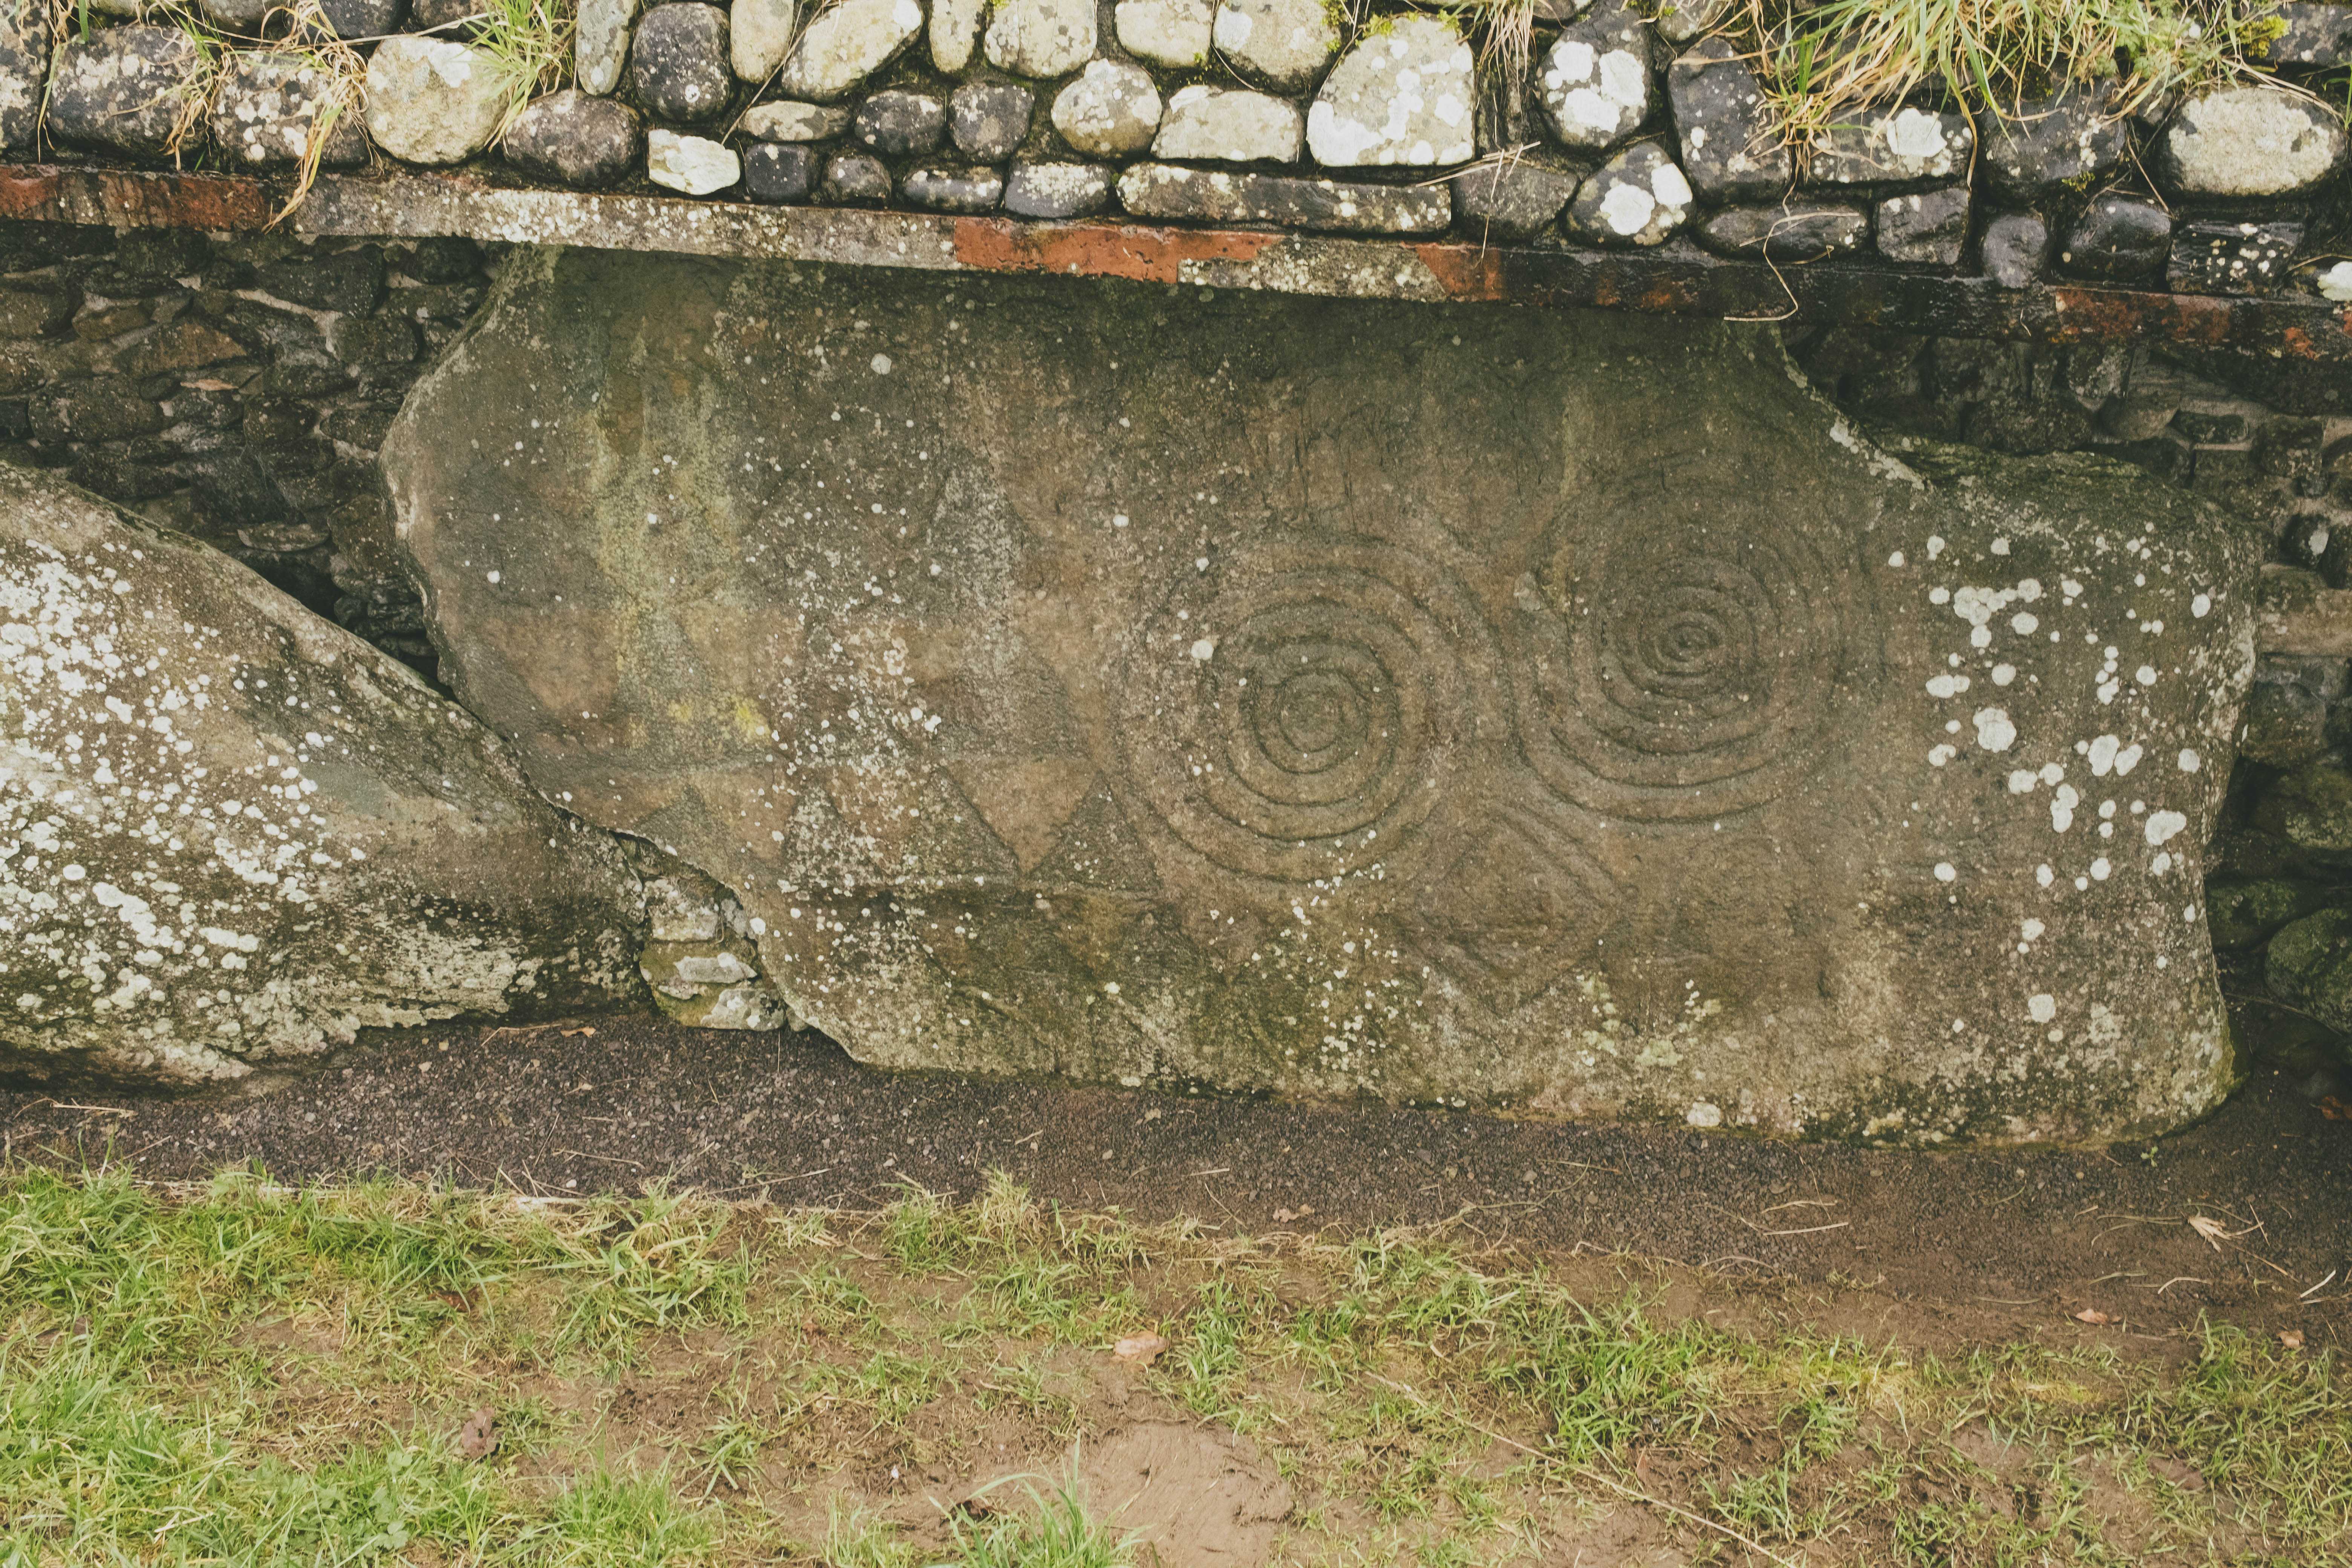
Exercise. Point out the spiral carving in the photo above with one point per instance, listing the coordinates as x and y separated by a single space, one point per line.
1296 716
1686 667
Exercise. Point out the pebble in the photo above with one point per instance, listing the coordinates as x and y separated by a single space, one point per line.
990 120
1057 190
1110 111
123 88
1791 231
954 189
265 107
695 165
2251 141
857 178
1171 33
1893 146
1515 199
1280 44
1594 81
2033 147
574 137
2121 239
1402 95
1040 37
677 66
780 171
1926 228
2231 257
1229 125
600 43
845 44
899 123
433 102
1729 137
789 120
758 33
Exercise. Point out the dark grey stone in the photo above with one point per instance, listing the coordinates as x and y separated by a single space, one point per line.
1596 80
1901 145
1730 140
2231 257
2067 137
350 281
856 178
2318 32
575 138
899 124
1057 190
678 62
2308 966
365 18
24 69
123 88
1793 231
2123 240
990 120
1638 197
441 18
2015 249
954 189
780 171
1926 228
1164 190
2286 723
1516 199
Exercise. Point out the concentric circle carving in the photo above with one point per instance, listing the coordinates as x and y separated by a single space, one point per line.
1686 662
1299 715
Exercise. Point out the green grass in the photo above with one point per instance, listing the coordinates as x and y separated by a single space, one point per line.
244 1372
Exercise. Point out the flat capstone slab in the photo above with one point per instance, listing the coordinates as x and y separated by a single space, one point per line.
1553 710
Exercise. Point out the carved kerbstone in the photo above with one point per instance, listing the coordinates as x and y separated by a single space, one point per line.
1554 710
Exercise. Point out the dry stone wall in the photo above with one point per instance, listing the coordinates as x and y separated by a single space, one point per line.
1627 131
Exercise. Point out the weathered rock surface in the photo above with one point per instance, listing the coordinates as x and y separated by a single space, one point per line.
1228 125
366 18
899 122
1280 44
1926 228
1890 146
2066 137
949 190
857 177
2251 141
2014 247
1331 697
1731 146
2309 966
758 33
701 955
1047 190
989 120
2120 238
1638 197
1789 231
575 138
1402 95
2232 258
692 165
1213 195
845 44
265 107
1040 38
1594 81
600 43
1516 198
1110 111
123 88
780 171
955 32
24 69
231 832
1171 33
431 101
787 120
678 64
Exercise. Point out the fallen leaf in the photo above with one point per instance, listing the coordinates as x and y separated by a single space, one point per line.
2334 1108
567 1034
2291 1338
2213 1230
479 1437
209 385
2091 1315
1141 1349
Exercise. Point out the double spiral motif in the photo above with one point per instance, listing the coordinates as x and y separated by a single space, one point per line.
1685 666
1297 716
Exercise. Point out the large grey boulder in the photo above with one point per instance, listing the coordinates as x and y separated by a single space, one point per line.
1550 710
232 834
